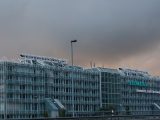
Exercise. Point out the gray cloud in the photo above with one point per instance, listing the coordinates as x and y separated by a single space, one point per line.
108 32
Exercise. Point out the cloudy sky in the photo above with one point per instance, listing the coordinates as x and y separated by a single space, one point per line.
111 33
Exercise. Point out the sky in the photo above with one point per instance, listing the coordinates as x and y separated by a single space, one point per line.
110 33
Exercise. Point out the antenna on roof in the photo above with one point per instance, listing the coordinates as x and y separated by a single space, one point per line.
91 64
102 65
94 65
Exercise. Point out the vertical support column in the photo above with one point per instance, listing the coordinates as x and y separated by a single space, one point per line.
5 91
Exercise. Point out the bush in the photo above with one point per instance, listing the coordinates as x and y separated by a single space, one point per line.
62 112
45 114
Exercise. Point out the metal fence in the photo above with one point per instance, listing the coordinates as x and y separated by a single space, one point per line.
122 117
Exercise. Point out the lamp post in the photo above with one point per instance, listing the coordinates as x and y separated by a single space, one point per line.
72 41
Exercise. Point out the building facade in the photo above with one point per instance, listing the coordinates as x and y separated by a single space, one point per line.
130 92
27 86
140 92
38 86
110 88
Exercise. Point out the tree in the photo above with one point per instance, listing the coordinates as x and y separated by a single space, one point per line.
62 112
127 110
108 109
45 114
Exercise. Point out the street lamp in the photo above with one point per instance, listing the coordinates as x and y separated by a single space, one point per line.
72 41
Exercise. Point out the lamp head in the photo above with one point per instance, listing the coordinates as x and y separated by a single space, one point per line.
73 41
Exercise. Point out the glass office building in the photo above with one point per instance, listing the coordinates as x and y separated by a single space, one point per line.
110 88
28 85
129 91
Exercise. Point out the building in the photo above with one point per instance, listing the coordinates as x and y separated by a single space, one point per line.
29 88
130 92
40 86
110 88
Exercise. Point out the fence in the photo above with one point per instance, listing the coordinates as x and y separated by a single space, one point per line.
114 117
